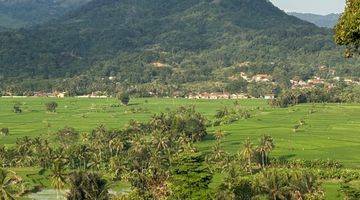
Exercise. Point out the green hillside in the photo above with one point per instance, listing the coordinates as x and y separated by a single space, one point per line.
195 40
21 13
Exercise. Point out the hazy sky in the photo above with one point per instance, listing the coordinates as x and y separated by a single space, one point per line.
311 6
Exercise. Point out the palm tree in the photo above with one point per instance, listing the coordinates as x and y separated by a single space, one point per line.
160 141
87 186
8 183
219 134
265 147
276 185
247 153
58 176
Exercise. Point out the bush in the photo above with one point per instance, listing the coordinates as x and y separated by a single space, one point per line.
124 98
51 106
4 131
16 108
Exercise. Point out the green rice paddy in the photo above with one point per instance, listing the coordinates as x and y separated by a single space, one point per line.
331 131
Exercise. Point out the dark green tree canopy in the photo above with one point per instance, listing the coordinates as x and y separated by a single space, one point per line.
348 28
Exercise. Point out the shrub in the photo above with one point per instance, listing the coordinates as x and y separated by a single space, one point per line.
51 106
124 98
16 108
4 131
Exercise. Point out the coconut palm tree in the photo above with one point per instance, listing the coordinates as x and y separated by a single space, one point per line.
8 184
275 185
58 176
265 147
87 186
247 153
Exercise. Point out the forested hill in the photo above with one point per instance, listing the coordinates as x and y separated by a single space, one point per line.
21 13
2 28
328 21
191 40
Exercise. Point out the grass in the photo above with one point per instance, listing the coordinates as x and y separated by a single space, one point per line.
331 131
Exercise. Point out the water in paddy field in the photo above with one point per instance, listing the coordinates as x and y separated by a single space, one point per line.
51 194
48 195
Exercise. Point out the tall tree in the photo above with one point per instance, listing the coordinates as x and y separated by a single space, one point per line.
347 30
190 179
87 186
265 147
247 153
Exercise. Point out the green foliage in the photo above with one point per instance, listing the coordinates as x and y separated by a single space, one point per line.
5 131
23 13
124 98
347 30
349 94
190 178
183 122
67 136
350 192
285 184
229 116
237 86
51 106
10 185
17 108
235 188
208 43
313 164
86 186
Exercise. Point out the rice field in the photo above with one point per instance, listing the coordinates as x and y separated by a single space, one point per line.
330 131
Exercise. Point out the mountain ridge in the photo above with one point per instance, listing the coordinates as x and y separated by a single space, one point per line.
328 21
25 13
194 38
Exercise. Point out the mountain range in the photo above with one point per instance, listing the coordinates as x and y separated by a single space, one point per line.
328 21
165 41
22 13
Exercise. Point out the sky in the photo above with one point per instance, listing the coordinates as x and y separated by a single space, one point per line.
311 6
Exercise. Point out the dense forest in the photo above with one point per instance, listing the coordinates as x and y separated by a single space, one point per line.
169 43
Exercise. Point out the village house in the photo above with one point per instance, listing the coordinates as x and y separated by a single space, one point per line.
158 64
59 94
244 76
348 81
261 78
239 96
98 95
269 96
315 81
206 95
298 84
40 94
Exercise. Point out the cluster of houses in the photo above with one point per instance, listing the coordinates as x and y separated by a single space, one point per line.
224 95
57 94
311 83
217 95
255 78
